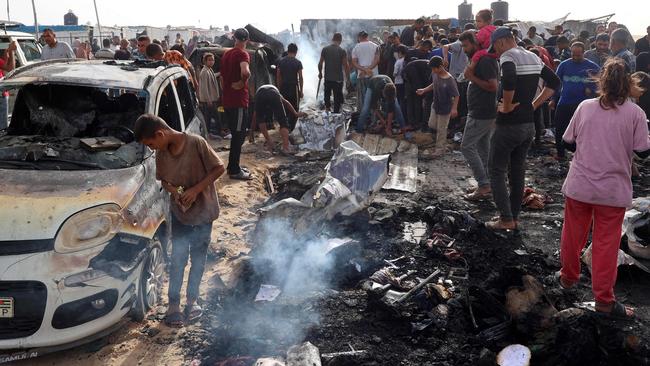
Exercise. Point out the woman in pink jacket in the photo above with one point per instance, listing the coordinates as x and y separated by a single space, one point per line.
606 133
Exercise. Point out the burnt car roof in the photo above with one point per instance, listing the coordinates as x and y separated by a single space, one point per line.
112 74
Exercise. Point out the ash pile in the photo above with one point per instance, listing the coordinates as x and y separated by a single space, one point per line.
343 272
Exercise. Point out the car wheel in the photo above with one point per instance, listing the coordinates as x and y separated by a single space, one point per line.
151 282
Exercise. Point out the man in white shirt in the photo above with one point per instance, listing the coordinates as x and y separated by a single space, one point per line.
365 58
53 48
534 37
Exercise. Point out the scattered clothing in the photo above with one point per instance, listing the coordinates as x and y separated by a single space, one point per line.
105 54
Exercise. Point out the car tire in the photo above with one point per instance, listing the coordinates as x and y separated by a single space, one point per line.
150 281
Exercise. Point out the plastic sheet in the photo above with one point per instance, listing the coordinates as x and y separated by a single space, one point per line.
321 131
636 219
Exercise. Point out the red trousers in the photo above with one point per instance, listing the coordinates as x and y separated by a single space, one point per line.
606 221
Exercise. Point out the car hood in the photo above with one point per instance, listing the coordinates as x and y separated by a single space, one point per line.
36 203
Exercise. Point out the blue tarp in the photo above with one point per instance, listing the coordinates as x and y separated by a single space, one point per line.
55 28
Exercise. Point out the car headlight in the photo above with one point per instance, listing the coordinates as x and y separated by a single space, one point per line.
88 228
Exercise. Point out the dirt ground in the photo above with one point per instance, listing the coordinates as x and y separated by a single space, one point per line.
153 343
344 316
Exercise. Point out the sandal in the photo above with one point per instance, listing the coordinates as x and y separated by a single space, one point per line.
174 320
192 313
619 311
477 197
243 175
498 225
557 281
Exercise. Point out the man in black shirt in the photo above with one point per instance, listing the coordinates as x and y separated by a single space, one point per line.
481 115
420 53
408 34
290 81
416 75
642 44
337 70
380 87
515 127
270 105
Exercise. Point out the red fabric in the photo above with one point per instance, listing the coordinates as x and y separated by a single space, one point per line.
546 57
2 75
482 53
605 221
231 73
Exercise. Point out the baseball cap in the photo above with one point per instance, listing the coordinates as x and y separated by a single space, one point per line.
500 32
363 34
241 34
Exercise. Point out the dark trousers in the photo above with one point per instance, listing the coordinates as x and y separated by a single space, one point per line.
455 124
187 242
336 88
210 114
539 124
401 98
414 109
563 115
290 93
238 123
508 150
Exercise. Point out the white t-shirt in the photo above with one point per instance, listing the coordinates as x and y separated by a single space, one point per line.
397 73
365 53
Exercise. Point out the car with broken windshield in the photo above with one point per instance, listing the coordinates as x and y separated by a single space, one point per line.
83 233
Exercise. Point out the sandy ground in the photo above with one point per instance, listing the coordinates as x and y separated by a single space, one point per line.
151 342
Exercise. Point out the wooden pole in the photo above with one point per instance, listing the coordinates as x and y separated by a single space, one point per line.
99 27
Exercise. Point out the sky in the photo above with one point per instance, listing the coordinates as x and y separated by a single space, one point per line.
274 16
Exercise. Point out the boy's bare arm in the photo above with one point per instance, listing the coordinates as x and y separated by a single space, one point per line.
189 196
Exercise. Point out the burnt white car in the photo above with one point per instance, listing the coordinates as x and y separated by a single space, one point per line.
84 227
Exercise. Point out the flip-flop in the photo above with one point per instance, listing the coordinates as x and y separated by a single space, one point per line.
192 313
619 311
174 320
243 175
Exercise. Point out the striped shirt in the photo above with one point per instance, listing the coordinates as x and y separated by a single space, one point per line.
520 71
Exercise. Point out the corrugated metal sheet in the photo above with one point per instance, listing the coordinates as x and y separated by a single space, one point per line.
403 170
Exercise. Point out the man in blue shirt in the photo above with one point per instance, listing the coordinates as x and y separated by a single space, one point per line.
577 85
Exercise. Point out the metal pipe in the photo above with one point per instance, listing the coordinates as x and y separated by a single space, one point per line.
35 20
8 13
99 27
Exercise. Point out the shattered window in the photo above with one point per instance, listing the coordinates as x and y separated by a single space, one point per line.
168 108
186 97
74 126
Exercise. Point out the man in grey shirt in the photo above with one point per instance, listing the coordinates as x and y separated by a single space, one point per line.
55 49
336 64
601 53
105 53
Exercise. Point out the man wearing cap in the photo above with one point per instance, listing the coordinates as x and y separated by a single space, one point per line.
365 58
235 72
337 70
515 126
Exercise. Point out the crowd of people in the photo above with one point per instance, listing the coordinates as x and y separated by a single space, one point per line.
115 48
504 89
507 89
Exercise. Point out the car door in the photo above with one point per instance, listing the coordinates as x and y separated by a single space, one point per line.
188 106
168 106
